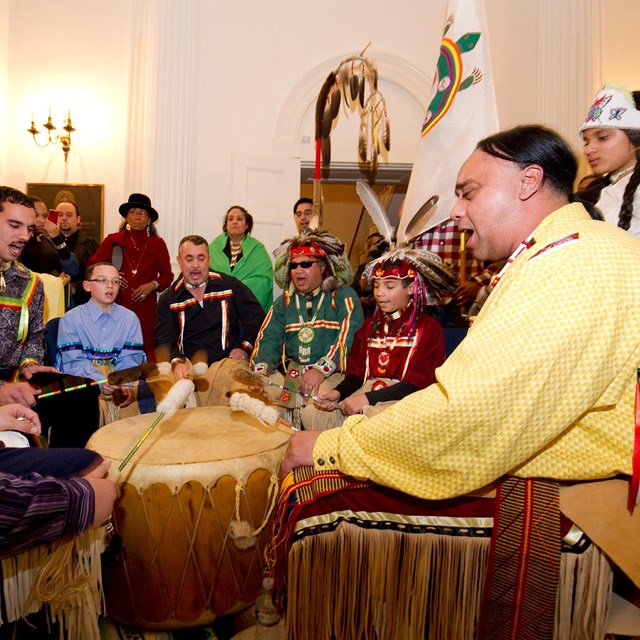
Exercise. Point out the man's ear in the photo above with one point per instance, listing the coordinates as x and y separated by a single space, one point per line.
531 179
86 286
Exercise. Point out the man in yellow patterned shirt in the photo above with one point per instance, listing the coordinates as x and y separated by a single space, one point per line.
544 383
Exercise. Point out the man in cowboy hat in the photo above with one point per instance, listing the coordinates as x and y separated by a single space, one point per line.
308 331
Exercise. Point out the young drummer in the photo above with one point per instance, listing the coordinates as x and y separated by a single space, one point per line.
395 352
100 336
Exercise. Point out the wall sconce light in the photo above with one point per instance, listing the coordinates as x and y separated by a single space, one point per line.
64 140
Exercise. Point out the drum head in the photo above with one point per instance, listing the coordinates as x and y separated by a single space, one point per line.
201 443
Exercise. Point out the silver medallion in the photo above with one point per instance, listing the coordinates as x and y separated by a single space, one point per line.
306 335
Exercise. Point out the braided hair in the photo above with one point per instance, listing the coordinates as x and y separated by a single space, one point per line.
626 209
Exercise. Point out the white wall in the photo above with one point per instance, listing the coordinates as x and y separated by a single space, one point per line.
254 59
69 55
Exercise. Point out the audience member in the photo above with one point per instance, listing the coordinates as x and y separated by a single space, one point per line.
47 251
394 353
68 418
100 336
236 253
302 214
306 336
82 246
142 259
611 135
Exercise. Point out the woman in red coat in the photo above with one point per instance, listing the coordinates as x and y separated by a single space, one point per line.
142 259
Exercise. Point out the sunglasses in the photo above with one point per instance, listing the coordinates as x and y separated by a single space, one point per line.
305 265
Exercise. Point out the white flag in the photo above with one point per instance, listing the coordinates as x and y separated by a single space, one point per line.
461 111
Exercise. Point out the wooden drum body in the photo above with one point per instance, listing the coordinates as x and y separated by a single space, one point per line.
197 473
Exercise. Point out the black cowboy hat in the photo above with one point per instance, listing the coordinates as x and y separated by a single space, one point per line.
138 201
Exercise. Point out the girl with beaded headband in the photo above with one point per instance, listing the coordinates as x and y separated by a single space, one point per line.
395 352
611 135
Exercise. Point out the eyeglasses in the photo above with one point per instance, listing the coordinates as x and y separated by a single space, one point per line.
138 212
306 212
305 264
105 281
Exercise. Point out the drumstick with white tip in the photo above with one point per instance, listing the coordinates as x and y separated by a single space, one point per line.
174 400
253 378
267 414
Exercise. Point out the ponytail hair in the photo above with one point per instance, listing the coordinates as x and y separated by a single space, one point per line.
626 209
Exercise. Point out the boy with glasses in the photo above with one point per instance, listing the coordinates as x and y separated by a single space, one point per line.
100 336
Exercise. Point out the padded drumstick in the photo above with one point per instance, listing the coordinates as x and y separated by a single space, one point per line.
251 378
256 408
173 401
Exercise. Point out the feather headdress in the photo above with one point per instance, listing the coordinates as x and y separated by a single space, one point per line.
338 266
432 277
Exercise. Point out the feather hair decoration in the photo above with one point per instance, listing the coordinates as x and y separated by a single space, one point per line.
377 212
416 225
433 277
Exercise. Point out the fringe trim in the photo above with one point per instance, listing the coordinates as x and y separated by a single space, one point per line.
356 584
66 577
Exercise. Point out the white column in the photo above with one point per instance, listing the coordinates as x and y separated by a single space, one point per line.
162 124
569 70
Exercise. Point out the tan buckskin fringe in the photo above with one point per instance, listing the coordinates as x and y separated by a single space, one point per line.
66 576
364 584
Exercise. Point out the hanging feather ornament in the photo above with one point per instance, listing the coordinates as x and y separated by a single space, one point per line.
362 143
354 87
353 84
327 122
361 92
386 134
326 157
434 278
335 102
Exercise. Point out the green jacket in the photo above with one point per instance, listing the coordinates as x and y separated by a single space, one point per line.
253 269
337 315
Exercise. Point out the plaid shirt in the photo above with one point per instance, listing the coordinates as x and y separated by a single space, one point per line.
444 241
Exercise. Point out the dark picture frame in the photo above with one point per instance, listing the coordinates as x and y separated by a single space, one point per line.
89 198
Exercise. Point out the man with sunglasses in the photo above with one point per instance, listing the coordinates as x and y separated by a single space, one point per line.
306 336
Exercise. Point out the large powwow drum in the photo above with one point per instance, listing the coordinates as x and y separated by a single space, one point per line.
194 499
